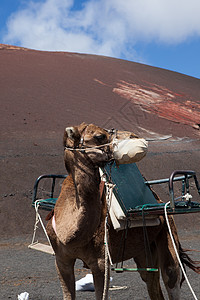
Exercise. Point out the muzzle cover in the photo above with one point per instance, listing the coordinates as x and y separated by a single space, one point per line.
129 150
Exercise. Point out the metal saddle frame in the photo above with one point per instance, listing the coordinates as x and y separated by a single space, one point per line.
134 196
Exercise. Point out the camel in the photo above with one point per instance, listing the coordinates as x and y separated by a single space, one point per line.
77 225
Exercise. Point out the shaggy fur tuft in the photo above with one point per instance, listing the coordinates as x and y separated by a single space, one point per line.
186 260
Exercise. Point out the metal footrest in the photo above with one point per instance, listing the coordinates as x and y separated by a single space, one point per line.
42 247
121 270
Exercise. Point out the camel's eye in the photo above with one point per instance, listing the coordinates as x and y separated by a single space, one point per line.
100 137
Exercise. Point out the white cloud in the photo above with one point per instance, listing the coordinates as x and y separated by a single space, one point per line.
106 27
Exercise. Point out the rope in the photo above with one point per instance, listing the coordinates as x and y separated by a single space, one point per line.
175 249
88 148
106 275
37 220
112 132
106 242
109 193
108 260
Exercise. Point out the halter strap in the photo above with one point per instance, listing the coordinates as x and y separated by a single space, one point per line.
83 149
82 137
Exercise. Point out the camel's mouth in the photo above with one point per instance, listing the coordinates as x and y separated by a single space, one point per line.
128 151
101 155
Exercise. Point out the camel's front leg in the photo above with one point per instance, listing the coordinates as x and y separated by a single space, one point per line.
101 285
65 269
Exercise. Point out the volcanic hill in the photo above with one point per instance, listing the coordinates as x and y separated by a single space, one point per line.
41 93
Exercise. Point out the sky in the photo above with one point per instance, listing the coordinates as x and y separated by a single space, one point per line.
160 33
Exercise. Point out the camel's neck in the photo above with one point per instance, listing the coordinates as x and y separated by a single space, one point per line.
80 201
86 180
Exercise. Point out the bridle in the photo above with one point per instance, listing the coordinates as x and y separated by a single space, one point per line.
81 148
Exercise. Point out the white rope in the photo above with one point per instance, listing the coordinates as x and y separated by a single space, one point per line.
106 244
88 148
175 249
39 219
106 274
109 192
35 227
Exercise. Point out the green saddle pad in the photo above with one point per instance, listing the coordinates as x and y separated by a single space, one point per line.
130 188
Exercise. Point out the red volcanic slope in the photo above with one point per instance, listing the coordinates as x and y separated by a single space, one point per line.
43 92
52 90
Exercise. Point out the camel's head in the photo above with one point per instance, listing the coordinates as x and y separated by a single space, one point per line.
102 145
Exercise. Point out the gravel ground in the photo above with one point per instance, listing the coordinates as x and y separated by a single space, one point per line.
23 269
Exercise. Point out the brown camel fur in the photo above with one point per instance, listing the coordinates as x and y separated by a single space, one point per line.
80 216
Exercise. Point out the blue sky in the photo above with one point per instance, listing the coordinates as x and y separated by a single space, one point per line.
161 33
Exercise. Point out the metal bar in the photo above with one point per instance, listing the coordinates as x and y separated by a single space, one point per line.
120 270
52 187
197 183
39 179
165 180
186 173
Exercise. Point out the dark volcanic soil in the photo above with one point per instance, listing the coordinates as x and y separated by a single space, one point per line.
23 269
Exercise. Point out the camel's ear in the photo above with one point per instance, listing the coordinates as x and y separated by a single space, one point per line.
76 131
71 132
82 127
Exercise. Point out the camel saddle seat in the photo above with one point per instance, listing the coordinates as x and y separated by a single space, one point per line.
130 196
133 201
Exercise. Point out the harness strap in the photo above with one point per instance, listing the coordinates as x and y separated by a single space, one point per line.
101 188
82 137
